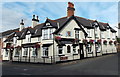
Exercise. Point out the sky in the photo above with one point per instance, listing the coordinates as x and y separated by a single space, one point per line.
13 12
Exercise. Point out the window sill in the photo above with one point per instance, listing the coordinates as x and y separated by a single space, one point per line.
16 56
75 53
89 37
45 57
90 52
61 55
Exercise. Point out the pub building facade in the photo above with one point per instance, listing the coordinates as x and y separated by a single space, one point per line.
67 38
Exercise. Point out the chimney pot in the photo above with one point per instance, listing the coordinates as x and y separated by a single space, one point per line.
70 9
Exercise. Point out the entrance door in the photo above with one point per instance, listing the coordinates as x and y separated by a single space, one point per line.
81 51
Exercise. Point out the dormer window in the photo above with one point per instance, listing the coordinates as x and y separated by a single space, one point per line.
47 24
107 27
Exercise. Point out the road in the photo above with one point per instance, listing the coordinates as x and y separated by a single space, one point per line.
104 65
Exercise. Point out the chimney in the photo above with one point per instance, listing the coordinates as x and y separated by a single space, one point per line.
70 9
34 21
21 25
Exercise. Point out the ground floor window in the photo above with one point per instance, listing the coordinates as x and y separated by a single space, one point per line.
25 53
68 49
74 49
89 48
6 53
17 52
45 51
60 49
34 53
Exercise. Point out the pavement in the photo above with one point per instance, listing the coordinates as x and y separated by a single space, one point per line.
104 65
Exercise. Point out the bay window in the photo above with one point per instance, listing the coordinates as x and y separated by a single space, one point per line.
47 33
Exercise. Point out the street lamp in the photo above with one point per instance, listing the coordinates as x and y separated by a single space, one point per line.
95 25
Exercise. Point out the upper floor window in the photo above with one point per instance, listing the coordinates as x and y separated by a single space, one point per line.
47 33
77 34
50 33
47 24
68 33
89 33
102 35
15 40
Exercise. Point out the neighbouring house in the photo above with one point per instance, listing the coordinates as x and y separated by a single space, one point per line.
63 39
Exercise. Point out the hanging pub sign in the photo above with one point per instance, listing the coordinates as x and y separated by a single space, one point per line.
57 37
115 42
85 41
99 41
63 58
105 42
91 42
110 42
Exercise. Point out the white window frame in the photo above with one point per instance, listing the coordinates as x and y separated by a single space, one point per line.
33 52
74 49
89 32
60 49
45 33
77 34
25 52
45 51
102 35
67 34
89 50
17 52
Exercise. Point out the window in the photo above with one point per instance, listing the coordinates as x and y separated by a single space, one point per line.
25 52
28 38
48 24
77 34
38 38
113 36
68 33
89 49
68 49
17 52
45 51
45 34
102 35
15 40
60 49
89 33
34 53
74 49
6 53
50 35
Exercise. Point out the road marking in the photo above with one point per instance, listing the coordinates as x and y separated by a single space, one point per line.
25 74
25 69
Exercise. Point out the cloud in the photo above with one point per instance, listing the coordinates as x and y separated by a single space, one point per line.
13 12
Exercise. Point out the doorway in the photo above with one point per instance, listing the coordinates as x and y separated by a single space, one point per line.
81 51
